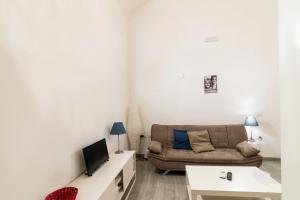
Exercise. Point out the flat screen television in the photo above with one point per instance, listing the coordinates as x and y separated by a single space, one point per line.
95 155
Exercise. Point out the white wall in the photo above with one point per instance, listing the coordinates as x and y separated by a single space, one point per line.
167 38
289 16
129 6
63 81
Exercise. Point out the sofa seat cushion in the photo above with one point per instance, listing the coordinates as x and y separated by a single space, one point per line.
220 155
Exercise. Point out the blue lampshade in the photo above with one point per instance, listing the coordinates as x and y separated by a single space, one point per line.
251 121
118 129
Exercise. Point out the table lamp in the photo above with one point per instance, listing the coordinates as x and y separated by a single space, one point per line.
251 121
118 129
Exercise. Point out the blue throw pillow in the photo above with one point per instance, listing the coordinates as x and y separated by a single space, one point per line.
181 140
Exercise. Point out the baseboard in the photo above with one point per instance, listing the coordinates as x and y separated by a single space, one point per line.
272 159
141 157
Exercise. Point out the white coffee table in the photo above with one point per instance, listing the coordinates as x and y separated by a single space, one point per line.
204 182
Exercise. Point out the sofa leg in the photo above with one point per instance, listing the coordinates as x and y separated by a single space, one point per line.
166 172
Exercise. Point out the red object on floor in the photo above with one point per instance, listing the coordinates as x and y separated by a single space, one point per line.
67 193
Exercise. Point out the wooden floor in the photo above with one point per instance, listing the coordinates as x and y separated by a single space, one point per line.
152 185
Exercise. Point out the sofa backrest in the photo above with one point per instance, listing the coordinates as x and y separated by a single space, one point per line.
221 136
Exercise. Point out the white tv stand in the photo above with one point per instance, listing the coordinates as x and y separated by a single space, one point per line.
112 181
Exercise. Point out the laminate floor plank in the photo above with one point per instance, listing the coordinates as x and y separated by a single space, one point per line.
151 184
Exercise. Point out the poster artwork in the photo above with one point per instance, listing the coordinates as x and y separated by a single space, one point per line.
210 84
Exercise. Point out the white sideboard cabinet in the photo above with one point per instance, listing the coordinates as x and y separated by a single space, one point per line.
112 181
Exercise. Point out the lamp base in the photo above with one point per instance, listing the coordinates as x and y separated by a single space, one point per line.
251 140
119 151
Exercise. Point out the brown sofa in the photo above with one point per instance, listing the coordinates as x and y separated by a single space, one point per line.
223 137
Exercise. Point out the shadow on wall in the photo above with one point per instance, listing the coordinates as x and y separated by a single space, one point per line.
271 136
16 125
110 140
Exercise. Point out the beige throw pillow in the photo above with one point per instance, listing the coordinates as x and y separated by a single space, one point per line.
200 141
246 149
155 147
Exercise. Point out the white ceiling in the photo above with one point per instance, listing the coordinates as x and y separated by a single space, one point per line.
129 6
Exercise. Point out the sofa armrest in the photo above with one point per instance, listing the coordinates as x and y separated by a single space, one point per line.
155 147
247 150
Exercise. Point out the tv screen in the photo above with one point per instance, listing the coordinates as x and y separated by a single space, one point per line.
95 155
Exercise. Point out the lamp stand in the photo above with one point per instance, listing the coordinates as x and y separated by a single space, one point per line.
251 139
119 151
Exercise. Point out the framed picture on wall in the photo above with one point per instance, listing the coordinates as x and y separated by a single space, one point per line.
210 84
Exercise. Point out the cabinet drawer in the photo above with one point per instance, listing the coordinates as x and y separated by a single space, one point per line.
110 192
128 171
